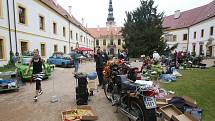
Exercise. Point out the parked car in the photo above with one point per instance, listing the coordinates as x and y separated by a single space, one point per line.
23 65
61 59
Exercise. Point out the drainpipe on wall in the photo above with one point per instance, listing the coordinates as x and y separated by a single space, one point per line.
188 39
8 13
14 15
69 38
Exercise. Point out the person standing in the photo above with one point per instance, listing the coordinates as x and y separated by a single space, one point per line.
76 60
105 56
99 67
156 56
37 74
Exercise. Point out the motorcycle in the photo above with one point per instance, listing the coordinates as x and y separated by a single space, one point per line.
135 100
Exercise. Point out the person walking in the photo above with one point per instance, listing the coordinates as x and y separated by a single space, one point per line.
100 61
76 60
37 74
105 56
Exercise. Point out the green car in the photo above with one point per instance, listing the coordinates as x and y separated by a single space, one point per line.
23 65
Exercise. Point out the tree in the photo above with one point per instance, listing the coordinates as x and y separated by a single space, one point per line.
142 30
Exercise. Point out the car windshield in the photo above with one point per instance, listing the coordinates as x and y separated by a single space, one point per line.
66 56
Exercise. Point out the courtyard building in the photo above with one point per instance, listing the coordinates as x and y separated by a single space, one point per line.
29 24
108 38
193 30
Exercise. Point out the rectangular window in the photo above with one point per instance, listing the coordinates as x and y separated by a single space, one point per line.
64 49
54 28
24 47
76 36
111 42
81 37
174 38
119 41
55 48
104 42
211 30
97 42
1 9
43 49
202 33
194 35
42 22
194 48
201 49
64 31
22 15
1 49
71 34
84 40
185 37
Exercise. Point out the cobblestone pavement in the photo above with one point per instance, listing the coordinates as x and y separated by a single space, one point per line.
19 106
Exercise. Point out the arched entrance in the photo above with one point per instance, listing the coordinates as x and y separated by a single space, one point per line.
111 51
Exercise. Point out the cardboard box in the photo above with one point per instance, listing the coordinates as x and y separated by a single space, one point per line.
189 101
161 102
169 111
184 117
92 85
91 117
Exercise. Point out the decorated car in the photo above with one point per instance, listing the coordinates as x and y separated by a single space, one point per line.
23 65
61 59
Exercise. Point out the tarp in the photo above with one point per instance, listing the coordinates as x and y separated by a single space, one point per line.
84 49
167 78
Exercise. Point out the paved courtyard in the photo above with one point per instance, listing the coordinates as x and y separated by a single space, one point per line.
19 106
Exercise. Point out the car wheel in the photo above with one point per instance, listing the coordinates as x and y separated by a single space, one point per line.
63 65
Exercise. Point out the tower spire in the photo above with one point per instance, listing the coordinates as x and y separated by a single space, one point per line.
110 18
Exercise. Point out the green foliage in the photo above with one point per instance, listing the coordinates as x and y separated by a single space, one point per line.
142 30
169 50
11 61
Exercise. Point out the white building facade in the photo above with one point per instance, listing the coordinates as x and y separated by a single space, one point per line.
41 24
202 37
193 30
179 36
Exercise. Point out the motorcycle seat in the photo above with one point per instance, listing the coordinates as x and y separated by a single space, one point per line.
126 84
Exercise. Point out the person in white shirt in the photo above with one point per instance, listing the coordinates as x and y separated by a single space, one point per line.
156 56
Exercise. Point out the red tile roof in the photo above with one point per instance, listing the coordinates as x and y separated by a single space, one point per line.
104 31
60 10
190 17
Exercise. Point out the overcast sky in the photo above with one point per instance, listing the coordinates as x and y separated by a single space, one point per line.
95 12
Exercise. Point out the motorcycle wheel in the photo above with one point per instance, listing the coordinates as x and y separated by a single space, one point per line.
108 91
138 109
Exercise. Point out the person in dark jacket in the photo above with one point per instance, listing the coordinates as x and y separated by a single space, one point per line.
37 74
105 56
100 63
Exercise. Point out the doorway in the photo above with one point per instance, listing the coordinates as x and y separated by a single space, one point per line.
210 49
111 51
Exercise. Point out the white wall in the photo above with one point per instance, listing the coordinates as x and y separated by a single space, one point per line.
182 45
197 28
31 32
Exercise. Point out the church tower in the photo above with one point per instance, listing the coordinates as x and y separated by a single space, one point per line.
110 19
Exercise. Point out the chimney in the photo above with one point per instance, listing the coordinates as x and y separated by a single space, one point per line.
55 2
108 28
177 14
98 28
82 21
70 10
